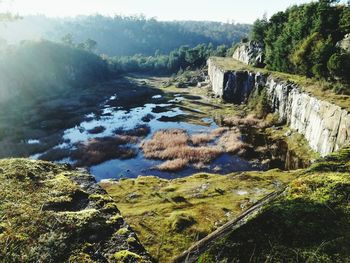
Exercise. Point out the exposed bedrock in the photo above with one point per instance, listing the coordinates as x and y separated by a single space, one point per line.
325 126
250 53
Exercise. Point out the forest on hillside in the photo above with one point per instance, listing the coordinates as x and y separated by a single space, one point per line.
47 55
305 39
125 35
44 67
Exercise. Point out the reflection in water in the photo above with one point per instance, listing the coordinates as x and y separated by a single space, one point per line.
132 168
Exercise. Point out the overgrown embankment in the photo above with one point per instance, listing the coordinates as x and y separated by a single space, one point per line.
308 223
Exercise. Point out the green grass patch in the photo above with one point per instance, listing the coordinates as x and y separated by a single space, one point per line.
170 215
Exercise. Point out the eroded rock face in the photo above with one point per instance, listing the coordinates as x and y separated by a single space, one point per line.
325 126
250 53
216 76
238 86
232 86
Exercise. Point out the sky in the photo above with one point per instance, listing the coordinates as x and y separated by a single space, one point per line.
239 11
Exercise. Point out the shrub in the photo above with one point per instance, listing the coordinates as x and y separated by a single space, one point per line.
180 222
126 256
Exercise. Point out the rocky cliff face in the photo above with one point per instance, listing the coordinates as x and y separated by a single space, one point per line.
232 86
250 53
325 126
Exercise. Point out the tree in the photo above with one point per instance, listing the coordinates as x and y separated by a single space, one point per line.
220 51
8 17
68 40
339 65
303 38
90 45
321 52
258 30
344 22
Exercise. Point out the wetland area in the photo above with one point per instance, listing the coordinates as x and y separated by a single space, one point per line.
144 125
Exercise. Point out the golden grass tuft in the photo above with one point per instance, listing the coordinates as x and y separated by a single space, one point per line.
232 143
249 120
173 165
174 145
219 131
178 149
201 138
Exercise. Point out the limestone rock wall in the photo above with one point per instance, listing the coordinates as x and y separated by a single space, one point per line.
250 53
216 76
325 126
232 86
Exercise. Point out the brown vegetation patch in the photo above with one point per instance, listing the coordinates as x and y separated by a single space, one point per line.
232 143
179 149
55 154
201 138
174 144
97 130
138 131
96 151
219 131
249 120
173 165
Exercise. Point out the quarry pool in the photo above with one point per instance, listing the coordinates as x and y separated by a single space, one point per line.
156 114
133 127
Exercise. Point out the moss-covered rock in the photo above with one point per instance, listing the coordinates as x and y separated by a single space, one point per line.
125 256
51 213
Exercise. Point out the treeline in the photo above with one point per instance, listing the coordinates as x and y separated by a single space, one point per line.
179 59
126 36
303 40
44 68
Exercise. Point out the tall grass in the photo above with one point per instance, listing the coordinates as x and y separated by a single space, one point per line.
250 120
96 151
179 149
231 142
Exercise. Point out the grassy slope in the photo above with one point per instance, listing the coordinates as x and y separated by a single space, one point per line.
50 213
170 215
309 223
319 89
